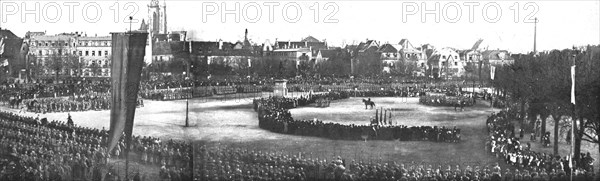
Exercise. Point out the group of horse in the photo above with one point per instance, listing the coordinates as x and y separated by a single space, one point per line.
17 102
14 102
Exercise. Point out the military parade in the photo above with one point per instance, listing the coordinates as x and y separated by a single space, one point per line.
308 91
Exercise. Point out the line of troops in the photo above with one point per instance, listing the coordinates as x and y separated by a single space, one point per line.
442 100
227 163
72 104
504 144
47 105
273 115
162 95
198 91
59 151
41 90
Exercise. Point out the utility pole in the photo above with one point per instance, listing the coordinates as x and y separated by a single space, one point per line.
187 108
535 35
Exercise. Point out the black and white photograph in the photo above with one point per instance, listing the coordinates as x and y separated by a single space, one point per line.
299 90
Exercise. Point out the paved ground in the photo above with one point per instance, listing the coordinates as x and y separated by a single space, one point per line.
230 120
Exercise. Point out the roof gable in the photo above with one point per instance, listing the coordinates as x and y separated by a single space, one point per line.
310 39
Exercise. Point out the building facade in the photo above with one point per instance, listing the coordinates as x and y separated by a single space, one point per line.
69 54
446 63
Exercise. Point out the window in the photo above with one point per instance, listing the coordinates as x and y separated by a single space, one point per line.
80 53
59 52
74 52
99 53
87 53
422 64
455 63
470 58
40 53
93 53
444 57
105 53
46 43
455 57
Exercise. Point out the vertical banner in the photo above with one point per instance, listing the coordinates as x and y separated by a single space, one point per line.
573 84
2 44
492 72
128 51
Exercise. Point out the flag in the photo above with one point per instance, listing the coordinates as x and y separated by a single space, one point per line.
573 84
4 63
1 46
128 56
377 115
492 72
385 117
381 116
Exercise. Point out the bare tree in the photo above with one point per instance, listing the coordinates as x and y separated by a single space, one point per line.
56 62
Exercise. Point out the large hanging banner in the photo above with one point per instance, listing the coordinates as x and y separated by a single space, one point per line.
128 50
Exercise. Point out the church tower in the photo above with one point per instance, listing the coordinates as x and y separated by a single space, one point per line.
157 18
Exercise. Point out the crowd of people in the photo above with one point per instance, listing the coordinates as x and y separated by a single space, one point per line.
274 115
66 88
505 143
55 150
226 163
162 95
84 102
446 101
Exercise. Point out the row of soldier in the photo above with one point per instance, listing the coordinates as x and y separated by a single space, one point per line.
442 100
71 152
67 88
78 103
227 163
47 105
273 115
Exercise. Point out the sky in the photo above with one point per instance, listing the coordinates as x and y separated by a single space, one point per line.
501 24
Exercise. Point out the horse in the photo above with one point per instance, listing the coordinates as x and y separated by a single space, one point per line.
15 102
460 104
368 103
31 105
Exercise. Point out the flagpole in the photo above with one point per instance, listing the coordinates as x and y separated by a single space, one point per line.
187 107
574 119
